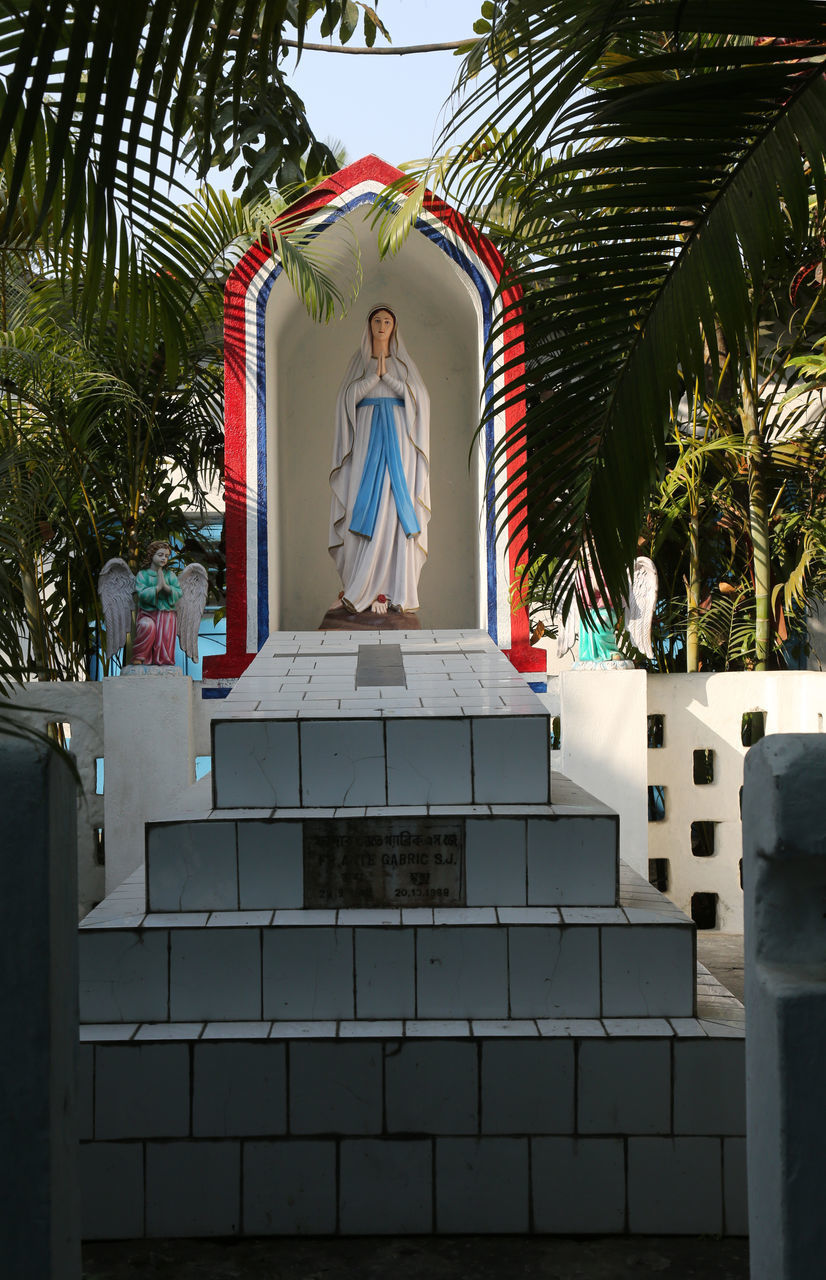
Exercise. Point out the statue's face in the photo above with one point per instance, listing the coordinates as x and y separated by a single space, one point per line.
161 557
382 325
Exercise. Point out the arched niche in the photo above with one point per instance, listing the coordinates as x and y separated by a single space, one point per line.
282 376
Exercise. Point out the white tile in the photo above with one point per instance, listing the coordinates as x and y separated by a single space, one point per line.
335 1087
320 917
342 763
437 1027
289 1188
462 972
215 974
554 972
374 1029
577 1027
572 861
527 1086
124 976
369 916
236 1030
482 1185
648 972
141 1091
735 1206
85 1091
169 1031
593 915
395 1174
509 1027
255 763
578 1185
511 760
529 915
432 1086
674 1186
624 1086
464 915
687 1027
270 864
239 919
637 1027
111 1190
308 974
322 1030
428 762
385 973
176 920
193 1189
107 1031
495 868
239 1089
417 915
710 1086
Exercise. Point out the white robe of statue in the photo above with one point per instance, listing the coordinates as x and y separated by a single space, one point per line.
388 561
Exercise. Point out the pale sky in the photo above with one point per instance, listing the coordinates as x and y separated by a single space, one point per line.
387 105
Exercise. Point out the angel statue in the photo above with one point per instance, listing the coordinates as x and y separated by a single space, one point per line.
168 606
598 643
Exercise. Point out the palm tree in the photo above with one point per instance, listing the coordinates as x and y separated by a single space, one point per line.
681 161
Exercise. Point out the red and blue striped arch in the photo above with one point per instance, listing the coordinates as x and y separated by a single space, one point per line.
245 302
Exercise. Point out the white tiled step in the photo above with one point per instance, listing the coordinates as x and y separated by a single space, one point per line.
425 1133
451 963
428 759
552 855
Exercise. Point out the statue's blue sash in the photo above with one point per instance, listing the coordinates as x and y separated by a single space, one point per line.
382 451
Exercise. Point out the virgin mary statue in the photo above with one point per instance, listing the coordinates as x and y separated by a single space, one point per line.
380 475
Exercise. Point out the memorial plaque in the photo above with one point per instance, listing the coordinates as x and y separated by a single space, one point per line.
384 862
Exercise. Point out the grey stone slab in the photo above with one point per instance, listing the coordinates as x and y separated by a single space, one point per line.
624 1086
335 1087
432 1087
255 764
554 972
270 865
572 861
141 1091
462 972
214 974
111 1190
495 867
527 1086
578 1185
385 973
511 760
481 1185
191 866
193 1189
308 973
428 762
675 1186
710 1087
239 1089
290 1188
386 1187
342 762
124 976
647 972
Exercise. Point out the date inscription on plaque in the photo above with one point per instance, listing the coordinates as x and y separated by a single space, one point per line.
384 862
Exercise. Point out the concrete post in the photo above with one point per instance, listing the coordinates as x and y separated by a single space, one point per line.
784 878
39 1203
150 758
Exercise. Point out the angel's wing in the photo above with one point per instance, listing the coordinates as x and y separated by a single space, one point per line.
639 607
190 607
116 585
567 630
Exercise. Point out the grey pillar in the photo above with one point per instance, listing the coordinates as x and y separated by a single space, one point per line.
784 878
39 1203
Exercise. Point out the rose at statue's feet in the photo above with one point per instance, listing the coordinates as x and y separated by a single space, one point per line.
379 605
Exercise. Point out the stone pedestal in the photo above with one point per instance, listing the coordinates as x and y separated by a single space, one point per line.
340 619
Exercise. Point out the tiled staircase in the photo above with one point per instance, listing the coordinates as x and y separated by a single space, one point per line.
284 1031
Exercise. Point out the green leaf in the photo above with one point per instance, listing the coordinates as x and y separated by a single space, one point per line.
349 21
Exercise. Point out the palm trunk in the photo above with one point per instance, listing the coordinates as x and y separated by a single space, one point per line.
758 523
692 637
